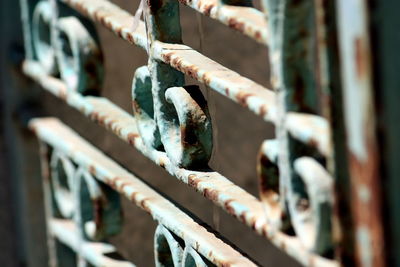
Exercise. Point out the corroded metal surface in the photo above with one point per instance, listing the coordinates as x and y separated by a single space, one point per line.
51 131
233 199
172 127
362 145
183 58
246 20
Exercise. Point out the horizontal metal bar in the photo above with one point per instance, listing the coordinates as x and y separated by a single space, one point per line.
183 58
247 20
62 138
233 199
243 91
66 232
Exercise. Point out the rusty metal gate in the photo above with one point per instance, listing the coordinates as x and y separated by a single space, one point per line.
327 182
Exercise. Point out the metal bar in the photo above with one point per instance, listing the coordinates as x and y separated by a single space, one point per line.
243 91
247 20
362 144
215 187
51 131
384 21
19 100
183 58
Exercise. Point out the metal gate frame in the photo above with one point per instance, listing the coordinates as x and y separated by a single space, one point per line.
363 163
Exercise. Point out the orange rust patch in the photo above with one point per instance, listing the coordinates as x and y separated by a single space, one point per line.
143 204
228 207
227 91
136 107
233 23
92 170
211 194
133 196
257 35
242 98
263 110
361 57
193 181
132 137
207 78
192 71
207 9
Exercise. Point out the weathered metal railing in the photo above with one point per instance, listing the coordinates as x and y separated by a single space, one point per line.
172 127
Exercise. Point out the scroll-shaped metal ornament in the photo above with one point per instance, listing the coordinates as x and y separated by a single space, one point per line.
41 37
313 224
309 214
79 57
271 191
168 250
62 175
178 121
143 109
98 206
187 137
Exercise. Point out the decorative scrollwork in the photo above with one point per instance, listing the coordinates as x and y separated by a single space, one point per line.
78 56
271 187
314 223
41 35
305 205
178 120
143 109
62 173
94 207
99 207
168 250
65 45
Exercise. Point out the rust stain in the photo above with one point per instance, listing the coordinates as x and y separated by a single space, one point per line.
263 110
132 137
242 98
193 181
368 210
98 211
211 194
361 57
92 170
233 23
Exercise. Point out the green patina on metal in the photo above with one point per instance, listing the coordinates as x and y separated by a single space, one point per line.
305 173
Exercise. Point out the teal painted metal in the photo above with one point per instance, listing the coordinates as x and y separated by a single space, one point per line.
171 125
178 229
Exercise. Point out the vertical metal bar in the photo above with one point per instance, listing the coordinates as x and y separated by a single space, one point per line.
332 109
163 24
24 176
48 205
296 79
385 23
360 122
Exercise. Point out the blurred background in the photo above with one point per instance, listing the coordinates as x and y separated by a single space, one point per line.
238 135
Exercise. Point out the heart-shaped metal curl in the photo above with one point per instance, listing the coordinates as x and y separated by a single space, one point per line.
99 208
62 175
79 57
271 192
41 37
143 109
167 248
187 139
313 224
